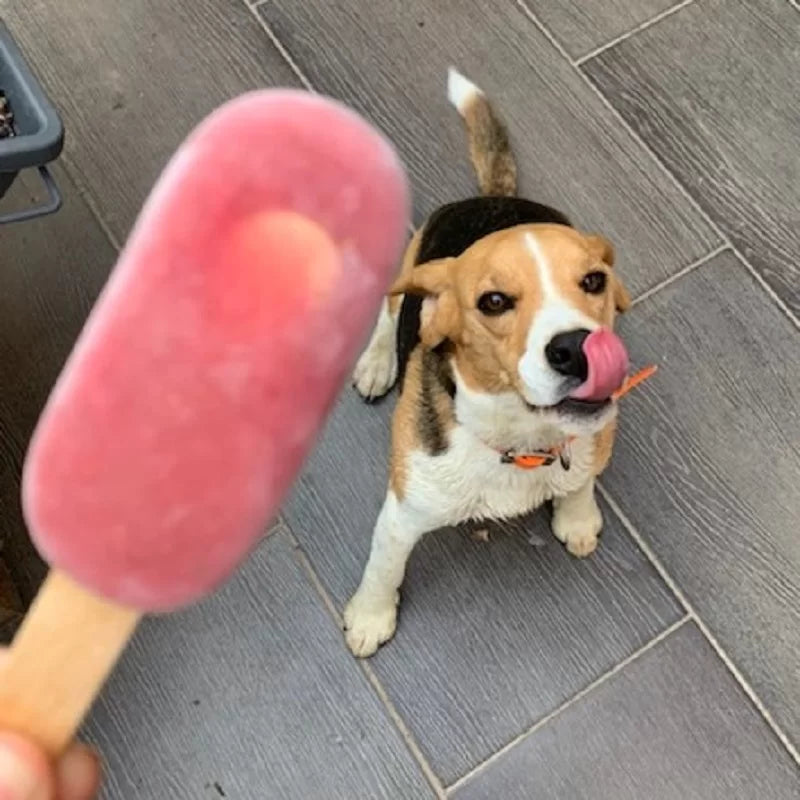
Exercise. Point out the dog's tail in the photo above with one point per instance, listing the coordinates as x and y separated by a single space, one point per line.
488 138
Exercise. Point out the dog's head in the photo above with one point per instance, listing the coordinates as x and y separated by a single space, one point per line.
529 309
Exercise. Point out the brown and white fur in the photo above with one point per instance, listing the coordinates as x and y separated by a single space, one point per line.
473 385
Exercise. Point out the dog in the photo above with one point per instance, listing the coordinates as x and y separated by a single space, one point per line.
498 332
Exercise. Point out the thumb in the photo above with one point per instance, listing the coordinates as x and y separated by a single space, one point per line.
25 773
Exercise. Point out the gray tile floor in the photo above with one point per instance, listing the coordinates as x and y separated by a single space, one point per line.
667 665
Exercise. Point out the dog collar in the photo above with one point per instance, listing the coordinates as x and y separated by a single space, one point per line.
538 458
544 458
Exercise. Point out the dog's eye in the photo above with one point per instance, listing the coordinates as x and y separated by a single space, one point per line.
495 303
594 282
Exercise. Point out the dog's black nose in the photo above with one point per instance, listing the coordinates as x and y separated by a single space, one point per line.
564 353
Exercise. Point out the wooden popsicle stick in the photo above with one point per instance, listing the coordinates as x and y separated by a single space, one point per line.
59 660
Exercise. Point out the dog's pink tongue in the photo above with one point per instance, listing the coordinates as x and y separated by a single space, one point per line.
608 364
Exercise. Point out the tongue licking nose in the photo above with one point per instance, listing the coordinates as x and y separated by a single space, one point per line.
607 360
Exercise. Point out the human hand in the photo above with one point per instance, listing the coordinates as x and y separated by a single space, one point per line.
26 773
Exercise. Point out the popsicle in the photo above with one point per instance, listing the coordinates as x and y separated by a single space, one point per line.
199 382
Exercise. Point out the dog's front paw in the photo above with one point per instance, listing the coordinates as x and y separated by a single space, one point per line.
376 370
577 527
368 624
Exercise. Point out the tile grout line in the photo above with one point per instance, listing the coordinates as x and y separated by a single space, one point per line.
252 7
681 273
654 157
655 561
86 196
549 717
771 293
648 23
369 673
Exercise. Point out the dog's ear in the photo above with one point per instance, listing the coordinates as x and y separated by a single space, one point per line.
440 317
429 279
603 250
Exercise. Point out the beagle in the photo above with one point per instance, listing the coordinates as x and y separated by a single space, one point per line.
499 334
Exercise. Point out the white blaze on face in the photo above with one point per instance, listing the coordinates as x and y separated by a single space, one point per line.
542 385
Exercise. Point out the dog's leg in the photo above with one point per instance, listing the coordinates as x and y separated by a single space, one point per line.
371 615
376 370
577 520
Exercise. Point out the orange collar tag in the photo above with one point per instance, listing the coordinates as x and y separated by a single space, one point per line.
544 458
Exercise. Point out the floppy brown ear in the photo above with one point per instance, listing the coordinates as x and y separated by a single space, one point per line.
430 279
440 317
603 250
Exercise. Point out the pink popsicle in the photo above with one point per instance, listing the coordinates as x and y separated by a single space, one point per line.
220 342
200 381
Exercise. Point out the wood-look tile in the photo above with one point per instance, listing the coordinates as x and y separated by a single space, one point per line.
713 91
132 77
493 635
389 60
249 695
707 463
52 270
583 27
671 725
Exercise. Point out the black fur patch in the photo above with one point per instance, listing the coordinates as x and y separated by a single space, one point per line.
407 333
448 233
456 226
436 380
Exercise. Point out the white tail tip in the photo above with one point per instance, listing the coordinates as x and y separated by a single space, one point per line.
460 90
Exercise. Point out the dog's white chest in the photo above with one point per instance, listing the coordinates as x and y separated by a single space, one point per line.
468 481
